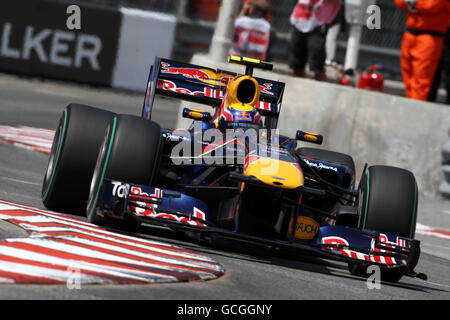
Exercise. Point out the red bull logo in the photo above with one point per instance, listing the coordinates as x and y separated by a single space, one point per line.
204 75
190 73
207 92
243 116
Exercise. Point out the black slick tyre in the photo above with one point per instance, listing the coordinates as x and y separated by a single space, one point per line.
387 203
72 157
130 153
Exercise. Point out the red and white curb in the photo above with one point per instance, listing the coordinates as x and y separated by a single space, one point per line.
39 140
63 250
429 231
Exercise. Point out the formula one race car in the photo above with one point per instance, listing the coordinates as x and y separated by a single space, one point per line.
230 175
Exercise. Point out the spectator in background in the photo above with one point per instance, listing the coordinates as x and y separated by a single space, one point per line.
252 31
422 44
443 68
265 3
333 31
310 20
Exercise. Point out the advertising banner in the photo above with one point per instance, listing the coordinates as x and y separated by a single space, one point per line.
38 38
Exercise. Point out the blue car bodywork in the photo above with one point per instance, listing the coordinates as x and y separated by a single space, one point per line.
220 201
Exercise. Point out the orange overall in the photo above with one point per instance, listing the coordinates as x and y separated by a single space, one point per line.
422 44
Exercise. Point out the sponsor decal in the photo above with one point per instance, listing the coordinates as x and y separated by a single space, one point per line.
203 75
191 73
120 190
209 77
197 213
320 165
41 44
207 92
361 256
243 116
150 212
384 239
306 228
87 46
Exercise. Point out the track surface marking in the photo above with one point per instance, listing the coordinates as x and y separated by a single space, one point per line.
63 250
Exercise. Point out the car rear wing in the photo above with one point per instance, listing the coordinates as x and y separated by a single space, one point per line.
203 85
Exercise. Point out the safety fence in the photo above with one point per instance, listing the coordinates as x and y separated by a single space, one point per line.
196 22
36 41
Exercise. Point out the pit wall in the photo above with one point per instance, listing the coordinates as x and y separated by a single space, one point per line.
375 128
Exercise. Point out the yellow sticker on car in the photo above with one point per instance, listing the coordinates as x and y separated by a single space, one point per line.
306 228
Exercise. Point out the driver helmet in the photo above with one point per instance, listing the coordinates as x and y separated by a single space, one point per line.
240 116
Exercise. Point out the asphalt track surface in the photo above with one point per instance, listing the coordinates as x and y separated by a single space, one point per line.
249 274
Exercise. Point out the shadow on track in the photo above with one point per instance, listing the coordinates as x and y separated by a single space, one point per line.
269 256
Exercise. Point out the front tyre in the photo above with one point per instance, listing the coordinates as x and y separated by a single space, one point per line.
131 153
72 157
387 203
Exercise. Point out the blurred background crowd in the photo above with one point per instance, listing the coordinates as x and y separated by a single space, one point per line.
296 44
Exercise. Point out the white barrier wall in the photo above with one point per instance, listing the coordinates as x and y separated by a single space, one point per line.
373 127
143 36
376 128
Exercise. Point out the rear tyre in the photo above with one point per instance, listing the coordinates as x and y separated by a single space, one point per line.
72 157
387 203
131 153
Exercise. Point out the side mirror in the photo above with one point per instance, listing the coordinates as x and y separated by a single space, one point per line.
309 137
196 114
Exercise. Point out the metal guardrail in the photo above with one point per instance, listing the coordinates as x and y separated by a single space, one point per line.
194 35
377 46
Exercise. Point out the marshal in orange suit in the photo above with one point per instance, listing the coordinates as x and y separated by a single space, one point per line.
422 44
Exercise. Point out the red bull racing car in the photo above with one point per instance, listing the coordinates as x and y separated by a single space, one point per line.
231 175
